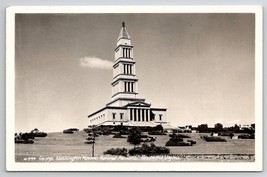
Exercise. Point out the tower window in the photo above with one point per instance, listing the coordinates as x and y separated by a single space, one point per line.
113 115
129 86
121 114
126 53
127 69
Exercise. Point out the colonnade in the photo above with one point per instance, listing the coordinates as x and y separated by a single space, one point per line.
127 69
126 53
128 86
139 114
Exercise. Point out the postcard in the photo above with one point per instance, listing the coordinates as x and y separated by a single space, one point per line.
134 88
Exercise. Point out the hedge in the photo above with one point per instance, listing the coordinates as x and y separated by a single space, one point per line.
117 151
149 150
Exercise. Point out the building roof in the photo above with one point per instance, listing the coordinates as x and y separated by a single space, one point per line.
123 33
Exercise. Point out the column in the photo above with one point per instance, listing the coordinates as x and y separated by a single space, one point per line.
131 114
141 115
129 88
123 55
130 71
145 114
149 115
138 115
132 87
129 53
126 66
134 114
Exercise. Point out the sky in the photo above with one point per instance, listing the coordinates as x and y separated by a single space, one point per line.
199 66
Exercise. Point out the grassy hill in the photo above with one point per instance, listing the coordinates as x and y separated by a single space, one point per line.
59 144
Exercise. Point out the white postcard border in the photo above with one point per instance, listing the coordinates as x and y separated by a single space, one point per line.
11 165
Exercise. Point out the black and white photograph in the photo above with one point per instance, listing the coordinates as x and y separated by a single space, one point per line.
134 88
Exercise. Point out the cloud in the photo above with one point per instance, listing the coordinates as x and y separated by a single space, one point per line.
94 62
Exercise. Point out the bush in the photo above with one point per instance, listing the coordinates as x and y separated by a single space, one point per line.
134 136
26 136
153 132
176 139
246 136
74 129
213 139
118 136
178 143
149 150
179 136
68 131
24 141
192 142
40 134
87 130
119 128
148 139
117 151
124 132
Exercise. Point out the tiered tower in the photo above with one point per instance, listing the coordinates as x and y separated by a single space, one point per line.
124 84
126 108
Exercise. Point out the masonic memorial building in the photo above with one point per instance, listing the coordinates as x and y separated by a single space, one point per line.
125 107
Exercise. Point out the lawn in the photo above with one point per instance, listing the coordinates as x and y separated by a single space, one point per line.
59 145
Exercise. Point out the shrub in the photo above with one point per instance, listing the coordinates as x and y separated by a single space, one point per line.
124 132
159 128
68 131
153 132
118 128
178 143
148 139
87 130
176 139
192 142
74 129
117 151
179 136
40 134
26 136
118 136
24 141
213 139
134 136
246 136
149 150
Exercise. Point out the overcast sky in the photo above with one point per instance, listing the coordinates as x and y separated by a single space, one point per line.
199 66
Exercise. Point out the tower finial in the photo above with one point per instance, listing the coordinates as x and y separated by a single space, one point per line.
123 24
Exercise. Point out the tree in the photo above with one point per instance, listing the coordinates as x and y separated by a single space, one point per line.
159 128
203 128
218 127
134 136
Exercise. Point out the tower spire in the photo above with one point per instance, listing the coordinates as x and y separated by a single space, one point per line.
123 32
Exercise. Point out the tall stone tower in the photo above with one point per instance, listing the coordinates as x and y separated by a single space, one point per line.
124 84
125 107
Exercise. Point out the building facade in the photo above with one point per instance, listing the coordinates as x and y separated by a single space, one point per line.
126 108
